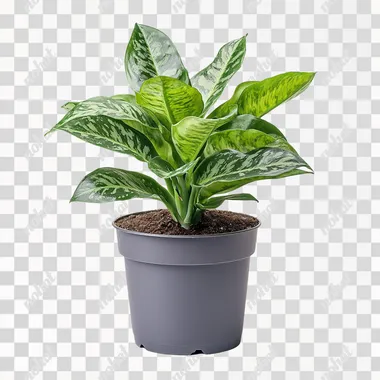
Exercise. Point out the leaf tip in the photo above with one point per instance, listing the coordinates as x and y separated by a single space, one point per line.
310 168
309 172
49 131
312 74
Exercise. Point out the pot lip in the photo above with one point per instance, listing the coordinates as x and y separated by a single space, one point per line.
181 236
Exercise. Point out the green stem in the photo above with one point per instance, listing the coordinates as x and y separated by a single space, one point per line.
181 207
170 204
169 185
184 198
179 203
190 208
183 190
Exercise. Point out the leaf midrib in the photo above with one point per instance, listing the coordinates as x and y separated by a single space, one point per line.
170 113
150 52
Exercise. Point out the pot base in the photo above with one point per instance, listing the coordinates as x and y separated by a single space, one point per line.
181 350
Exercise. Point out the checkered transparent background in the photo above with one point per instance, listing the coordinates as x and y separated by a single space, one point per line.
314 288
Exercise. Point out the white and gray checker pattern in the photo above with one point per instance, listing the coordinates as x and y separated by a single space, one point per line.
314 289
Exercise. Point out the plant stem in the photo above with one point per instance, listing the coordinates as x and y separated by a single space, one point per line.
170 203
180 205
181 208
184 199
169 185
190 208
183 190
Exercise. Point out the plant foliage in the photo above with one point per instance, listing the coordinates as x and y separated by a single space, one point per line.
200 155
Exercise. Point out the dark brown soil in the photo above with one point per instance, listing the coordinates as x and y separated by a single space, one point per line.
212 222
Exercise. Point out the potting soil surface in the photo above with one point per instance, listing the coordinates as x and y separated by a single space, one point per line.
212 222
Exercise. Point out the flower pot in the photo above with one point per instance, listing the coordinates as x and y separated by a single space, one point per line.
187 294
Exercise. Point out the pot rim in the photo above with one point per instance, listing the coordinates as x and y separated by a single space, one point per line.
180 236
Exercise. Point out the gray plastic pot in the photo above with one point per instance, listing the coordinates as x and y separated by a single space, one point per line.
187 294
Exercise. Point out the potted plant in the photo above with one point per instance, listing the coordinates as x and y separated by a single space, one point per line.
187 266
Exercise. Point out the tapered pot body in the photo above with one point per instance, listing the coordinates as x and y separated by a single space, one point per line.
187 293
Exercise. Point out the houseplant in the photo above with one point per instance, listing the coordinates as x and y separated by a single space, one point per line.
187 282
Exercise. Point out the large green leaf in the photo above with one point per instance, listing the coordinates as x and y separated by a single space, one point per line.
261 97
226 107
243 141
110 184
191 133
212 80
251 122
123 113
215 202
226 187
231 165
170 99
114 108
163 169
99 121
151 53
110 134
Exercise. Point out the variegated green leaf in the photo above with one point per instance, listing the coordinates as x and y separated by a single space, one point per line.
245 122
230 165
261 97
212 80
114 108
191 133
157 134
243 141
111 134
226 187
215 202
226 107
110 184
151 53
124 114
164 170
170 99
